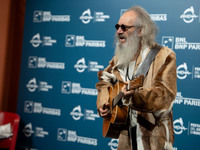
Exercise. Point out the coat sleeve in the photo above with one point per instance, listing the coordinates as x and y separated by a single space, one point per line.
102 86
159 97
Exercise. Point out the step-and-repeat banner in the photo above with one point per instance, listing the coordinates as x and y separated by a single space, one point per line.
67 42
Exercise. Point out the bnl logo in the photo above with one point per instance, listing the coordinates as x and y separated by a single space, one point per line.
62 134
28 106
70 41
168 41
32 62
66 87
37 16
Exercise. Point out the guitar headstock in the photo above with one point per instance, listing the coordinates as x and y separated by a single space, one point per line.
135 83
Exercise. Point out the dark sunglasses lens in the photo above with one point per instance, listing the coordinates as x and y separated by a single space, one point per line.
117 26
123 27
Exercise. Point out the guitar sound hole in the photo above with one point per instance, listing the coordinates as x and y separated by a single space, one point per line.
120 104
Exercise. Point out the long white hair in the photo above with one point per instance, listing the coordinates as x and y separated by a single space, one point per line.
147 25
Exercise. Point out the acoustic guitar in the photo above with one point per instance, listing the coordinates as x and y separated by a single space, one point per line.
113 125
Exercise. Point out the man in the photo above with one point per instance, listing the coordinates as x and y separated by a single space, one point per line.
150 106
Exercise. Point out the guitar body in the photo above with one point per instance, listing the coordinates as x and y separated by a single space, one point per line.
113 125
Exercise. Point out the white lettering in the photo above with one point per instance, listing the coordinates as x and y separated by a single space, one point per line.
88 141
181 40
55 65
51 111
194 46
180 46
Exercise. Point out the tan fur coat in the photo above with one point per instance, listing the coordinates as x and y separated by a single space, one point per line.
153 103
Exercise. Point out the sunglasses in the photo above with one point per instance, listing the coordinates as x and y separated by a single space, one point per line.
123 27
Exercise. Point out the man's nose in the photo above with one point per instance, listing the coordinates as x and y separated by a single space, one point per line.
119 31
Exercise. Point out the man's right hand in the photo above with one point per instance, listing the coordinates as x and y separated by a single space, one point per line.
105 111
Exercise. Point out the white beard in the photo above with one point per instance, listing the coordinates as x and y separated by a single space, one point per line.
125 52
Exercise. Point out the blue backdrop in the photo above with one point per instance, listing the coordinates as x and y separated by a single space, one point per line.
67 42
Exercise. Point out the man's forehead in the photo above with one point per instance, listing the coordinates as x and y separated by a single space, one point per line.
128 18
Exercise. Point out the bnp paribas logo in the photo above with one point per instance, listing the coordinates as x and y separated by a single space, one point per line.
189 15
47 16
168 41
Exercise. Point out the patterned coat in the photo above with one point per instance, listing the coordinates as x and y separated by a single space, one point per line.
153 103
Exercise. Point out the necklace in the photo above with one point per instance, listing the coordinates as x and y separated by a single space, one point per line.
127 75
